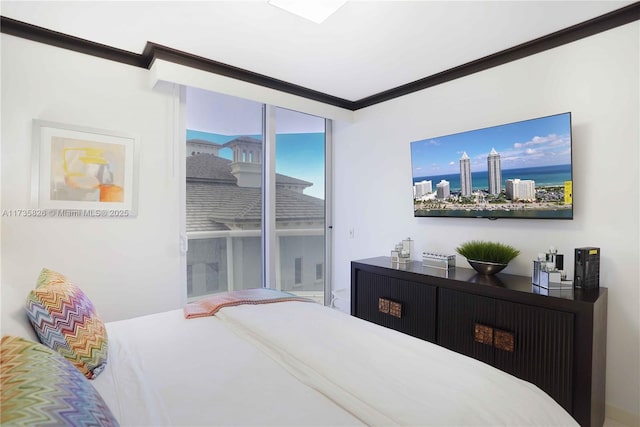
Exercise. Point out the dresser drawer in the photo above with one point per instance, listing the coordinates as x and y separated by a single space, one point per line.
398 304
532 343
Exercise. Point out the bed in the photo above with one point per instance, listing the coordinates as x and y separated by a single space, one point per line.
293 362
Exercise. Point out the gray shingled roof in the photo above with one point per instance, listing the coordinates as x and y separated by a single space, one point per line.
214 200
209 167
213 168
244 139
204 141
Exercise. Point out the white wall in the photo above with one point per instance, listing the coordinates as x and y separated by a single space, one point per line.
597 79
127 267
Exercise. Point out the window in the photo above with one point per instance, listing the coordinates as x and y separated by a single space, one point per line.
300 223
212 277
189 279
223 193
234 242
298 271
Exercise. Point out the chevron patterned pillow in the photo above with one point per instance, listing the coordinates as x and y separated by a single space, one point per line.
40 387
66 321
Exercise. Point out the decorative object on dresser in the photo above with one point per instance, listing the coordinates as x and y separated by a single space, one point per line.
557 343
586 273
547 271
434 260
487 257
401 253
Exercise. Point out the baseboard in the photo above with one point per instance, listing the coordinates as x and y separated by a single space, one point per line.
621 416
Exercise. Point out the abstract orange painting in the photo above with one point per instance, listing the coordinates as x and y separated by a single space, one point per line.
83 168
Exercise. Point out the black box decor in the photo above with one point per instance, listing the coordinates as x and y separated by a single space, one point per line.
587 268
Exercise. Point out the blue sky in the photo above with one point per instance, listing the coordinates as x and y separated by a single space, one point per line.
299 155
537 142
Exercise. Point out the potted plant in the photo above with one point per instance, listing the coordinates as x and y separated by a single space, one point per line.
487 257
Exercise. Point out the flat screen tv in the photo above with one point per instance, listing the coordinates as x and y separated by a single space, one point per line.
515 170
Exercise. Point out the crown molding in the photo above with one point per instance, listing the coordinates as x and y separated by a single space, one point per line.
576 32
153 51
65 41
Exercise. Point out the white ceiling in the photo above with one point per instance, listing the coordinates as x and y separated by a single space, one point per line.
366 47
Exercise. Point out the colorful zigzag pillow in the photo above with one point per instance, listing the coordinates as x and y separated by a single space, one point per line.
40 387
66 321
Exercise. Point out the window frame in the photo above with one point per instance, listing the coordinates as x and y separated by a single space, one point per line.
268 240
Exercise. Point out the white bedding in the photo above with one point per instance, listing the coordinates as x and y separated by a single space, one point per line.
297 363
167 370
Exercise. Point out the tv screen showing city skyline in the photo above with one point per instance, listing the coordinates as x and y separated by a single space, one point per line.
516 170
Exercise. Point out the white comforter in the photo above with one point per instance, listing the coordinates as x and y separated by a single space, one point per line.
299 363
166 370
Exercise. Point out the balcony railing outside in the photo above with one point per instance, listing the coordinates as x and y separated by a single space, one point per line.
219 261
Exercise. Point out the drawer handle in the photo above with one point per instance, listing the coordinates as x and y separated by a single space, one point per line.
483 334
395 309
500 339
504 340
383 305
390 307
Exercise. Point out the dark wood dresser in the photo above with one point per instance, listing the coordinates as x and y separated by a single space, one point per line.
556 341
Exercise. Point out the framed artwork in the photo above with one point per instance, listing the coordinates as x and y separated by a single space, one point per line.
90 172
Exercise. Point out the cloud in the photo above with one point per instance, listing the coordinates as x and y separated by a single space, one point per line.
540 139
560 141
539 147
551 140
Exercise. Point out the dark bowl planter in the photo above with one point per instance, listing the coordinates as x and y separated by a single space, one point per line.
486 268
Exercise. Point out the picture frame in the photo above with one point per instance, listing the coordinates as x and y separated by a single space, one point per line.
82 171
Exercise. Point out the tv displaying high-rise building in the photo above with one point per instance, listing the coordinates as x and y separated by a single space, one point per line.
516 170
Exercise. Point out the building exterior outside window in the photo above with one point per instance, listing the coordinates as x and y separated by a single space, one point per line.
225 194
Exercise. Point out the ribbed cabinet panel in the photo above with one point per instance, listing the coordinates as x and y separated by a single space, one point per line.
459 313
543 339
418 302
543 351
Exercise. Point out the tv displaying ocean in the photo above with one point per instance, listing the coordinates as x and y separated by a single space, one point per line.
544 176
